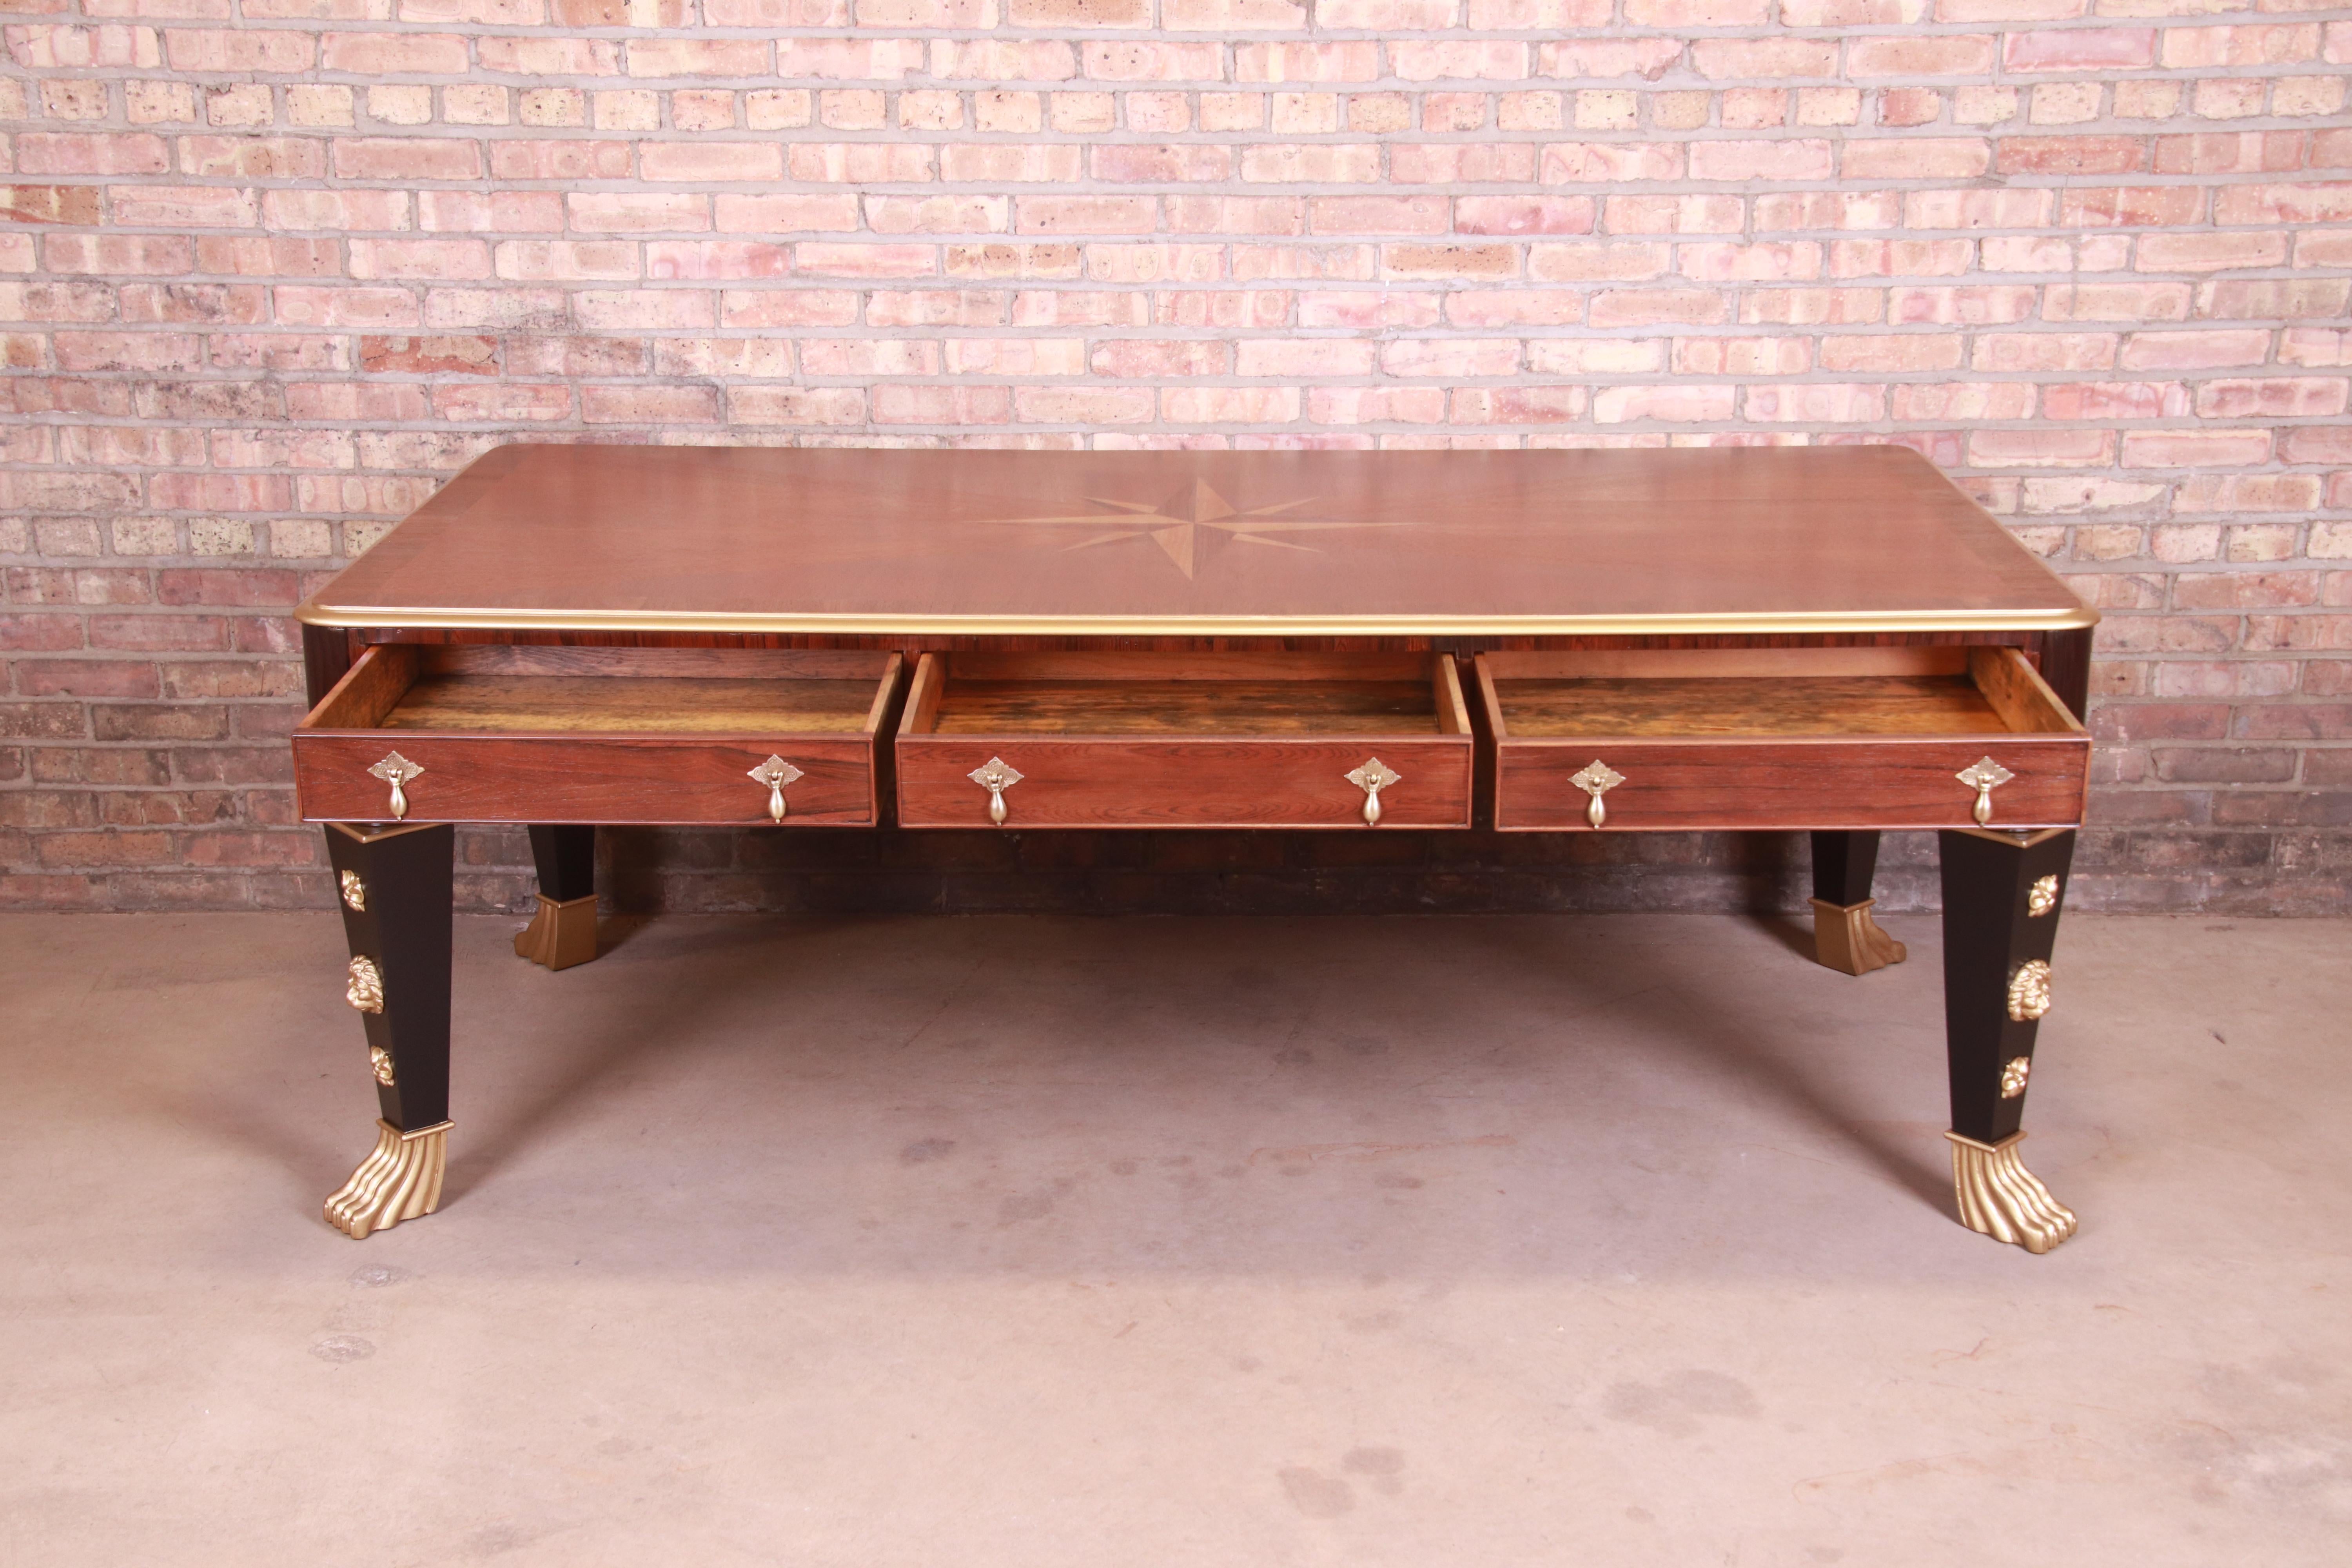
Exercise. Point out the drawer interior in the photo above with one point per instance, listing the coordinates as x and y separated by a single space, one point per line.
632 691
1770 693
1185 694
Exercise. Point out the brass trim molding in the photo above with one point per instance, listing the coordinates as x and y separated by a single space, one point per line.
1846 939
560 935
2015 837
354 893
372 832
1998 1197
916 623
400 1180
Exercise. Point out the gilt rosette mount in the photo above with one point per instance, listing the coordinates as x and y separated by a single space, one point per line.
2042 898
1596 778
364 989
397 771
1374 776
995 775
2029 991
775 772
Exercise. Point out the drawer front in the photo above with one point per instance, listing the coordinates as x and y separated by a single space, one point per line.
1121 782
1684 786
593 778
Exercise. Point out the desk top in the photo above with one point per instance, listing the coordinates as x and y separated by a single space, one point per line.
1313 543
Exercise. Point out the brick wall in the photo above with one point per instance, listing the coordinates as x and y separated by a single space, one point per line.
271 268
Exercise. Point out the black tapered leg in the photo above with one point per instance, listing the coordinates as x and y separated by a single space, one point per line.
562 929
2002 892
1846 937
395 884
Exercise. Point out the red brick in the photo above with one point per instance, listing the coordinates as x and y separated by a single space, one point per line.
91 152
1734 160
2229 153
394 54
2243 299
2079 48
2115 400
2207 252
1523 215
39 633
2194 448
2253 204
429 357
1936 54
1744 59
51 204
407 158
2131 207
2071 154
1612 162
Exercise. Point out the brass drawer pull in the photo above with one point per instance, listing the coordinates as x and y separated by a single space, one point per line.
1984 776
1596 778
396 771
775 772
995 775
1374 776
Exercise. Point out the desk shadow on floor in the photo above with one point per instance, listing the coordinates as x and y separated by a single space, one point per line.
1019 1063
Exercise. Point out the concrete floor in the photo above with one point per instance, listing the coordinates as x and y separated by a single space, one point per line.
1154 1243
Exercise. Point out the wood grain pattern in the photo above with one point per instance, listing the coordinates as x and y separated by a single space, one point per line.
1637 663
2023 700
658 662
1731 749
544 735
1742 705
369 689
966 542
1112 782
1183 740
1695 785
1186 708
494 704
585 778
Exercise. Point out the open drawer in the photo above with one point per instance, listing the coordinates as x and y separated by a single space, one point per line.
1142 740
1792 738
576 734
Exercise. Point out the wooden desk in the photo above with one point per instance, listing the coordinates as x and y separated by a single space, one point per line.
1830 639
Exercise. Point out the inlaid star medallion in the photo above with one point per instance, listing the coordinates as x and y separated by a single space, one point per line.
1176 524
